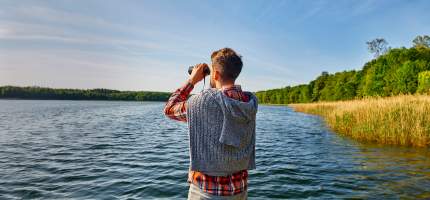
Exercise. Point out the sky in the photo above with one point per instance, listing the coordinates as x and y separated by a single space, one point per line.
148 45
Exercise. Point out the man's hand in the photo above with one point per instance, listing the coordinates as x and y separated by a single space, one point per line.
197 74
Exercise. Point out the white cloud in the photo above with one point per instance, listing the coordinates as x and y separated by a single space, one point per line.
31 22
4 32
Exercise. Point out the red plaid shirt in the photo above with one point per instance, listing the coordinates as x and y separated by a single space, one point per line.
176 108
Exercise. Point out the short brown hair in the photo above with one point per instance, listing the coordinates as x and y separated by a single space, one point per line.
228 62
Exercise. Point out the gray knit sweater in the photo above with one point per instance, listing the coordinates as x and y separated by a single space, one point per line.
221 132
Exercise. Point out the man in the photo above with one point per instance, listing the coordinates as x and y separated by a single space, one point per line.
221 122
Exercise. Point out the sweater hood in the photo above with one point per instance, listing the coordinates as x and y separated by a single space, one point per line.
239 118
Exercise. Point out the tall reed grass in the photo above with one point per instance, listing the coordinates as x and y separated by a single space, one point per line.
398 120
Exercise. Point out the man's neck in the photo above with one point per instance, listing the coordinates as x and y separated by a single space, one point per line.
226 85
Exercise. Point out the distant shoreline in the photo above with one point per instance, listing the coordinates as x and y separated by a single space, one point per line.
78 100
44 93
273 104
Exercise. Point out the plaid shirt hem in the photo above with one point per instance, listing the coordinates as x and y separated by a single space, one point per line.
220 185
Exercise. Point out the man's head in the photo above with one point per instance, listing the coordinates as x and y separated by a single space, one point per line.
226 67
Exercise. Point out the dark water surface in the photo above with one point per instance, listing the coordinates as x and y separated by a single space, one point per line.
130 150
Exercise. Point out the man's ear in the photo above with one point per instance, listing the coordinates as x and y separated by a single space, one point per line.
217 75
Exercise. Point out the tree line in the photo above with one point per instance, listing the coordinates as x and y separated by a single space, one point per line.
393 71
78 94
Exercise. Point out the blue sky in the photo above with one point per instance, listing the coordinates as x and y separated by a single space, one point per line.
148 45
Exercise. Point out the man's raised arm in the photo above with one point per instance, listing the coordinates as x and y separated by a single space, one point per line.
176 107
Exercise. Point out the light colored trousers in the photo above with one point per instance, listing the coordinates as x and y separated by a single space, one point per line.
195 193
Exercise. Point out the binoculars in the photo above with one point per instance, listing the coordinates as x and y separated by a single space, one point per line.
205 70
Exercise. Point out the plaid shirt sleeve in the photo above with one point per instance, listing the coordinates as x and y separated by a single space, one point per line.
176 107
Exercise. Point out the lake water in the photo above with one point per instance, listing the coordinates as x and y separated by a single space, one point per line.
130 150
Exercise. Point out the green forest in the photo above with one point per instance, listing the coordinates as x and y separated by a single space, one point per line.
12 92
393 71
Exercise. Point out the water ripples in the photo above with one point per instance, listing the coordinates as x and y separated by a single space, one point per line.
130 150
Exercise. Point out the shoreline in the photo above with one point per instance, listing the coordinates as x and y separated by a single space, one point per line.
79 100
270 104
399 120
